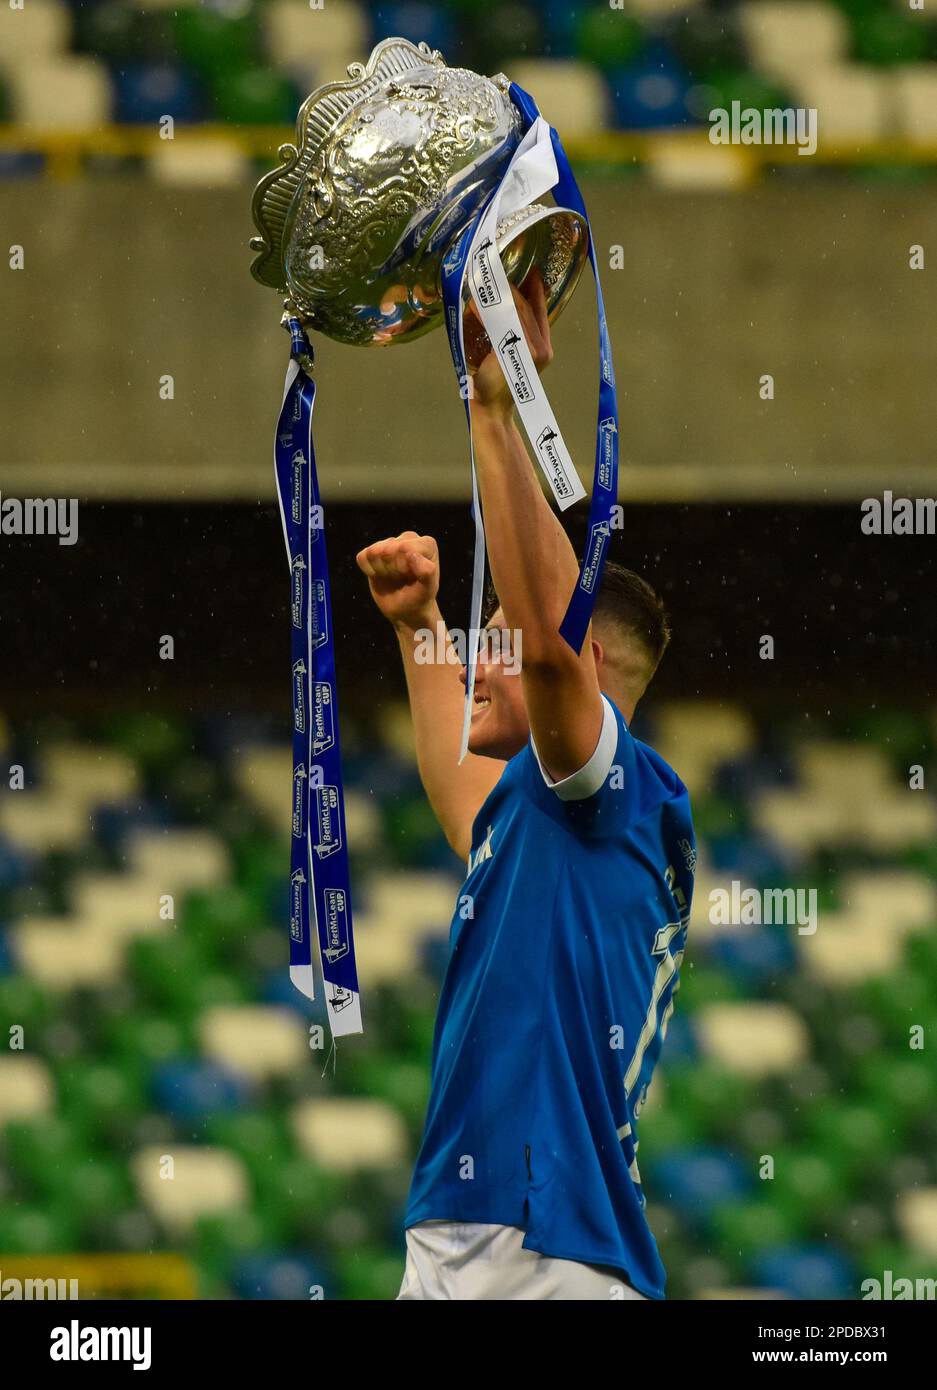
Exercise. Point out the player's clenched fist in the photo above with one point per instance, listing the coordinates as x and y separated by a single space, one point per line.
403 574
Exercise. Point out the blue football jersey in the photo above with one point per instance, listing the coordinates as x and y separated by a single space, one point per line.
566 944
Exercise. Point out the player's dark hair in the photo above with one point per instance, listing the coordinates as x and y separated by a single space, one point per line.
628 600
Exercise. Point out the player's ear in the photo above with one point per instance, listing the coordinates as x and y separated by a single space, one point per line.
598 654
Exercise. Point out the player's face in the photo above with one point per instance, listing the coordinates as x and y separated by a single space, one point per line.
499 727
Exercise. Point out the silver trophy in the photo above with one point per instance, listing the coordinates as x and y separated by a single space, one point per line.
388 168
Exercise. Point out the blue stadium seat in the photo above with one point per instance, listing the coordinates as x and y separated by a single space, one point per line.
698 1180
651 92
189 1090
280 1275
148 92
807 1271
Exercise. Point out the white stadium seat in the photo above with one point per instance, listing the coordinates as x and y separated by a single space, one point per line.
568 92
696 736
205 1182
41 821
89 774
183 859
259 1041
916 1217
914 92
83 97
40 29
123 905
784 37
852 102
67 953
26 1087
347 1135
198 163
315 46
754 1039
848 948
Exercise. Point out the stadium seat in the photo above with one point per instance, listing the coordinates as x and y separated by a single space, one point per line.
698 1181
123 905
68 953
263 1043
785 37
84 100
26 1087
916 1217
899 899
756 1039
650 92
852 102
35 32
199 164
697 738
199 1181
847 949
914 93
806 1272
89 773
315 46
185 859
148 92
44 820
566 86
345 1135
608 38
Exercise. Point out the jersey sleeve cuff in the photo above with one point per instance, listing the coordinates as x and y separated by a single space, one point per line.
590 777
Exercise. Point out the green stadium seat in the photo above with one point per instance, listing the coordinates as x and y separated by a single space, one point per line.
253 96
38 1150
745 1230
887 37
211 41
100 1099
301 1198
608 38
37 1229
222 1238
370 1272
858 1140
26 1004
809 1185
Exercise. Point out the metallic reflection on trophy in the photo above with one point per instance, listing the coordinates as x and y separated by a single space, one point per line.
389 167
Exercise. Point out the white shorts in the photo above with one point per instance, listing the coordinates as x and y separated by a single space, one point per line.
471 1261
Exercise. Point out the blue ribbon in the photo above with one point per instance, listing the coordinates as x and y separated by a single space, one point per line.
319 878
578 614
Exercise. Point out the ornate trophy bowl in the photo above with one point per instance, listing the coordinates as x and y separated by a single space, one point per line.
388 168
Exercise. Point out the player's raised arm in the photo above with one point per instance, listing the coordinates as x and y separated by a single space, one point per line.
532 562
403 574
